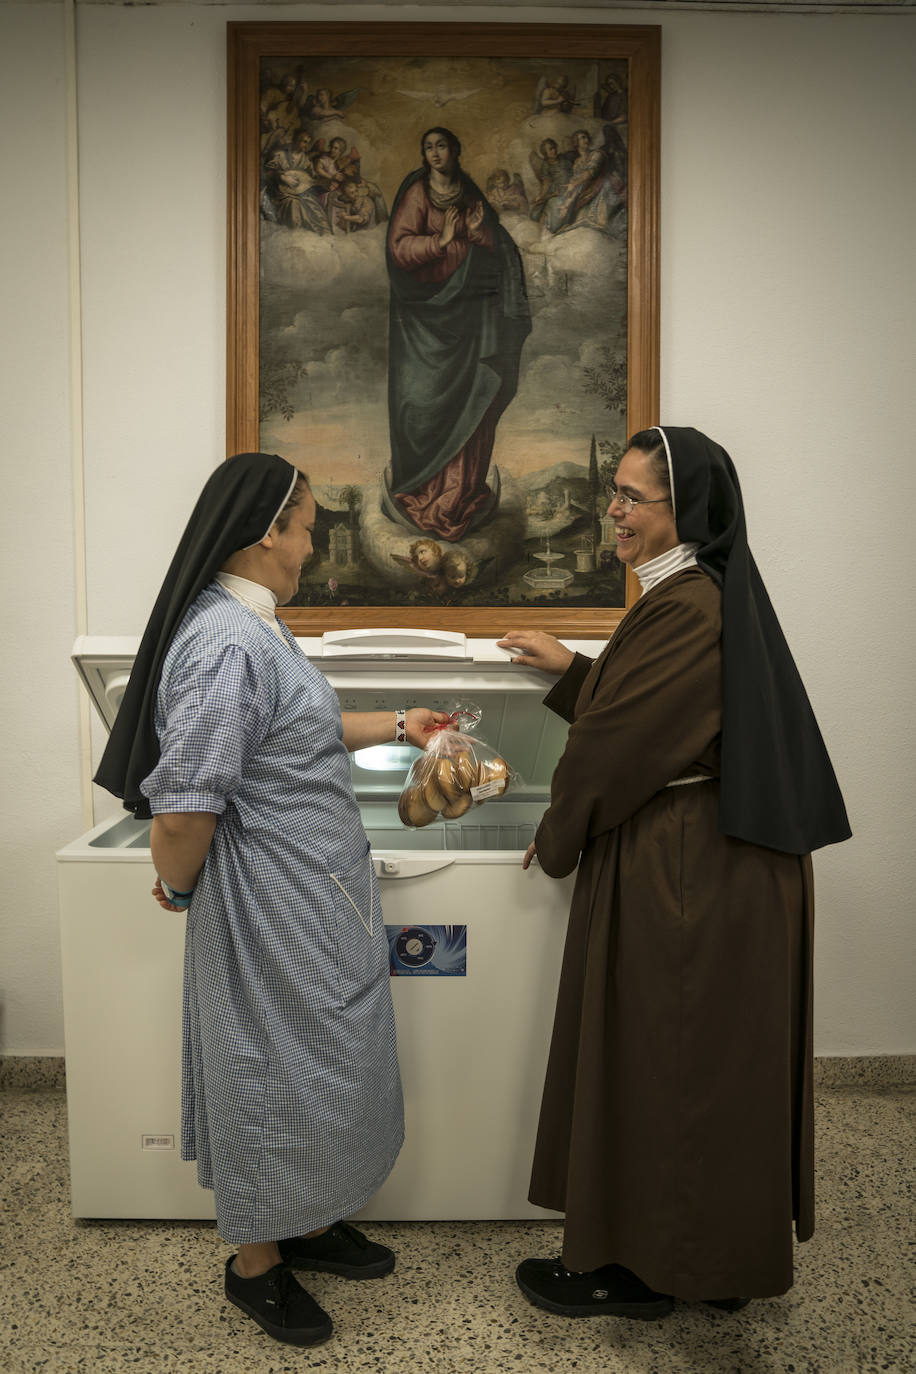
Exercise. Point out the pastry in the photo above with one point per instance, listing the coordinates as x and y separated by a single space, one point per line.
498 768
465 771
448 780
431 793
413 810
492 770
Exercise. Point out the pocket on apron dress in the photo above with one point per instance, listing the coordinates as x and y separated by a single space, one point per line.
362 946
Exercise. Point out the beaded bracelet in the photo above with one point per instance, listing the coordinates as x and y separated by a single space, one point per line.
400 726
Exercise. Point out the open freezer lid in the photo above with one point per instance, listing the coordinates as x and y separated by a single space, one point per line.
104 663
382 677
404 657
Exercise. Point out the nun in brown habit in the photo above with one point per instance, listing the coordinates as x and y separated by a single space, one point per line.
676 1129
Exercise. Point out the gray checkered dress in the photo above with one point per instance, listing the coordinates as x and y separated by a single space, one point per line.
291 1099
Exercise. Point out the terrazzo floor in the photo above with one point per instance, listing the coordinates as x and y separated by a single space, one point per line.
106 1297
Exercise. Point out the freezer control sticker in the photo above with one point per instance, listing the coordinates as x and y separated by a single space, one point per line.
427 951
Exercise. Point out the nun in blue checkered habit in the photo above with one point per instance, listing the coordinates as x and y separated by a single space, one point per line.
234 742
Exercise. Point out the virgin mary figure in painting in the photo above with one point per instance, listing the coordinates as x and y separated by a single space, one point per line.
458 319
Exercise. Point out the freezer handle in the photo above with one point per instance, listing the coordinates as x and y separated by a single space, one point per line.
404 866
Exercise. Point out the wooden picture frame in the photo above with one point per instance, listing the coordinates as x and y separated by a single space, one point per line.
388 66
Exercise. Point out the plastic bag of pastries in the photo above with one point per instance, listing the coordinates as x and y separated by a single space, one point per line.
456 771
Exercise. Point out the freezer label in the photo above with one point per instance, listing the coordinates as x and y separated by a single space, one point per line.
427 951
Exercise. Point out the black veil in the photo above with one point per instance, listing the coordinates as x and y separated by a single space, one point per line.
778 787
238 505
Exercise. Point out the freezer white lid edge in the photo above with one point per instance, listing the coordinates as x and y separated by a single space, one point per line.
477 653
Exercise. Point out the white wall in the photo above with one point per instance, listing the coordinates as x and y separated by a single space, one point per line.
41 785
787 211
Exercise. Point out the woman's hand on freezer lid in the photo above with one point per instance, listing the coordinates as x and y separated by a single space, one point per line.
537 649
530 854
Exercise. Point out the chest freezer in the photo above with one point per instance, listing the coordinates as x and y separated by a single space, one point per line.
475 944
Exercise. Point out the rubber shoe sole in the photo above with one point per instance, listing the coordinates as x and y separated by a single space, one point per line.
641 1311
282 1292
289 1335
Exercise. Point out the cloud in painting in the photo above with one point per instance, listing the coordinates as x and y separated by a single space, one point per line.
326 271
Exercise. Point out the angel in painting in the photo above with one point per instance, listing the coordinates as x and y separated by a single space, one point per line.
323 106
290 184
554 96
553 170
594 196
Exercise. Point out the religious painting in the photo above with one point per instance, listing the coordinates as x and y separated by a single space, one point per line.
443 308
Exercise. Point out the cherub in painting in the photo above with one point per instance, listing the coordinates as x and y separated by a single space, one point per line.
425 559
355 209
324 106
506 193
457 569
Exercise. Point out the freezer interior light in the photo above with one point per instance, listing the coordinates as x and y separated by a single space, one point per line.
386 758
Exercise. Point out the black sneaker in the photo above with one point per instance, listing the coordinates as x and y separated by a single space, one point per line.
280 1305
340 1250
610 1291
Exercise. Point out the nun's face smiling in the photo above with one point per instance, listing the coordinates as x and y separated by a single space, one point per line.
647 530
290 548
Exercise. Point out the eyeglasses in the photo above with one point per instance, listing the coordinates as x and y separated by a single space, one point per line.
627 503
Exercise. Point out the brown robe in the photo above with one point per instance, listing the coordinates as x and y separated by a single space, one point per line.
676 1128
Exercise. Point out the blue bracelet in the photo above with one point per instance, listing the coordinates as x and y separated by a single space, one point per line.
179 899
